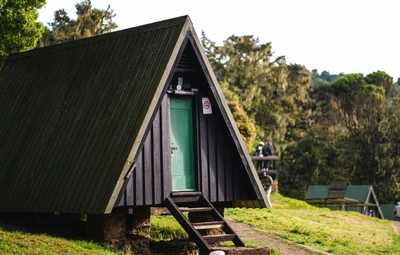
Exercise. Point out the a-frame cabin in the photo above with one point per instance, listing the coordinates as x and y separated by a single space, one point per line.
339 196
126 120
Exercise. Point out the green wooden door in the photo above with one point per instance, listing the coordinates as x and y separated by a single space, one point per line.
182 155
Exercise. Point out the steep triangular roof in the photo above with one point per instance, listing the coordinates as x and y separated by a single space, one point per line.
353 196
361 193
73 116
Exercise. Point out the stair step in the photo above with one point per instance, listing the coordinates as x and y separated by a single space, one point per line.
186 224
185 193
186 197
208 225
186 200
219 238
181 202
196 209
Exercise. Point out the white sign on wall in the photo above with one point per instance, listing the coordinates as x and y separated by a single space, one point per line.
206 105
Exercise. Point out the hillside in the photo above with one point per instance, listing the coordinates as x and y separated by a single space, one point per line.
289 222
336 232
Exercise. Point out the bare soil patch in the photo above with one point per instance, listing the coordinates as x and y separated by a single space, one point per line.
396 226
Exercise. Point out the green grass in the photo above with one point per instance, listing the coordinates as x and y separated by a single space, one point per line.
14 241
337 232
165 228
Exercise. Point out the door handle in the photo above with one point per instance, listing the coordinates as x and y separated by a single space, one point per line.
172 150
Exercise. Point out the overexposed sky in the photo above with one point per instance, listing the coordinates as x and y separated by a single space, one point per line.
350 36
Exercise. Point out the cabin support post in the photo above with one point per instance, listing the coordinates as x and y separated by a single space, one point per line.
106 227
138 221
275 187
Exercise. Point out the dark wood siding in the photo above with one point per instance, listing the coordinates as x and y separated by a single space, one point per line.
220 174
150 181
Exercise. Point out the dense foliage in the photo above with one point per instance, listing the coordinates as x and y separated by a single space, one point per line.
90 22
368 110
271 93
19 30
325 78
324 127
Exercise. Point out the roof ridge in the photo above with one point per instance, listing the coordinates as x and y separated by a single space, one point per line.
104 37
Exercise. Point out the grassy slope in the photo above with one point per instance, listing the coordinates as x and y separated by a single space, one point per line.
337 232
332 231
13 241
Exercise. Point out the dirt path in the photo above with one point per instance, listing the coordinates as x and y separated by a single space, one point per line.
272 241
396 226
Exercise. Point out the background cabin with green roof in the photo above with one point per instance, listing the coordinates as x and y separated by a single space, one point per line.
339 196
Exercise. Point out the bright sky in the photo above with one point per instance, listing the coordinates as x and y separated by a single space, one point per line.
350 36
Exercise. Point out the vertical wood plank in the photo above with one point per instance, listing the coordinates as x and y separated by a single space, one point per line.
212 158
166 147
122 201
238 180
221 167
129 191
230 174
196 135
157 159
139 180
148 170
204 155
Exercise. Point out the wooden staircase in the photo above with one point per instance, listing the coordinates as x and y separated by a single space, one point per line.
194 202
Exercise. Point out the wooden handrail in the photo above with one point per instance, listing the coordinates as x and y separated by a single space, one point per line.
264 158
273 166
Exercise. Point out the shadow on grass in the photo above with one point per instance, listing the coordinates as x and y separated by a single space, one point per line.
65 225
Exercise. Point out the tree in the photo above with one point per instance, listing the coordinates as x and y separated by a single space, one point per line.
365 107
90 22
2 3
324 79
312 160
19 30
337 128
246 128
269 91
